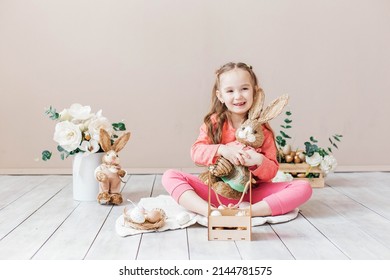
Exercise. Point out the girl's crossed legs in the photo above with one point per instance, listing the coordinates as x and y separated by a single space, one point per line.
267 198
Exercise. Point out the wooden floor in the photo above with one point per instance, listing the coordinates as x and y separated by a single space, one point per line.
348 219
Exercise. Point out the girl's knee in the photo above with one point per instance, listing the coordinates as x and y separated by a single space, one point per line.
305 188
169 174
171 179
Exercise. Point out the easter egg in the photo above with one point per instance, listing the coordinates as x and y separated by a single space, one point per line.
137 216
302 156
153 216
286 149
183 218
289 158
215 213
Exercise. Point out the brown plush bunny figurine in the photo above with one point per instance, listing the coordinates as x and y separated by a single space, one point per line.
109 173
230 180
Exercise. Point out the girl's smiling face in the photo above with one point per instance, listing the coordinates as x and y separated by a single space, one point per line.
236 91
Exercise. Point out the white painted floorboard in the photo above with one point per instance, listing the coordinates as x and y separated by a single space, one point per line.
348 219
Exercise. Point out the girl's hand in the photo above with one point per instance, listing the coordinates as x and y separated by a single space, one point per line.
234 154
254 158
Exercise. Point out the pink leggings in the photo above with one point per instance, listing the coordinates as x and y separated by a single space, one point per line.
281 197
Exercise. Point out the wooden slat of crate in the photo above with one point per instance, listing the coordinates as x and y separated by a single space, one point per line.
226 227
298 167
224 235
302 168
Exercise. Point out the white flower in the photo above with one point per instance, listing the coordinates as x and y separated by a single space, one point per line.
96 124
65 116
328 164
79 112
282 177
89 147
314 160
67 135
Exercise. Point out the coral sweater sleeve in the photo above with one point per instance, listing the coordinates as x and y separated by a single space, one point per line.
269 167
202 152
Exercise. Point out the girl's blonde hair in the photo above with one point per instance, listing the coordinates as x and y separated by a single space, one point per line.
214 131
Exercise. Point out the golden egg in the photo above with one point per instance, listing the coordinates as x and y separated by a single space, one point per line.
297 159
293 153
289 158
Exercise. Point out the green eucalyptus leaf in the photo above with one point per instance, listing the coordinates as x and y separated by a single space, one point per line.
46 155
52 113
285 135
119 126
60 149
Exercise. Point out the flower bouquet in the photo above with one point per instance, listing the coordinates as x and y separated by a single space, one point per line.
312 162
77 130
77 133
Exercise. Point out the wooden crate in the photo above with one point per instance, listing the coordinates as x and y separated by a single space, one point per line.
303 168
228 226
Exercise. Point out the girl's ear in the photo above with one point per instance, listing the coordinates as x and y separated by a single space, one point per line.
121 142
105 140
274 109
219 95
257 106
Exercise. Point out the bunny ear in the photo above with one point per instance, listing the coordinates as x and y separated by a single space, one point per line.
121 142
274 109
257 105
105 140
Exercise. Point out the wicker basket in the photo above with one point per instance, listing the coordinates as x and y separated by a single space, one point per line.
146 225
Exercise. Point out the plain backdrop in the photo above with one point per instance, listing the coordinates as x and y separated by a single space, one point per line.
152 63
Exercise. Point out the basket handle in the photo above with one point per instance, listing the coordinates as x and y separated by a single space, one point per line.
247 185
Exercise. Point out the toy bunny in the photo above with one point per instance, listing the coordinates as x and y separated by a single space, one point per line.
109 173
230 180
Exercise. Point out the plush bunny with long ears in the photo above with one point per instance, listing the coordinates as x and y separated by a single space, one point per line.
229 180
109 173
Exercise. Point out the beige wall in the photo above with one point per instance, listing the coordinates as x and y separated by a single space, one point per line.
151 63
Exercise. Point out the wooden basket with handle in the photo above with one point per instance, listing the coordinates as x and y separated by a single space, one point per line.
233 223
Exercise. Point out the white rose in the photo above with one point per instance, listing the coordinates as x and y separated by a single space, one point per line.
96 124
67 135
328 164
282 177
65 116
79 112
314 160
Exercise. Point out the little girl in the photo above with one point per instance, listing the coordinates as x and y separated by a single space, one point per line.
233 94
